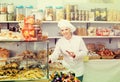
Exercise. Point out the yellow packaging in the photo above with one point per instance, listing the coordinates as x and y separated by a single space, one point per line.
86 58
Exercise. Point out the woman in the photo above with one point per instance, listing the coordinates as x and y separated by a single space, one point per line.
72 47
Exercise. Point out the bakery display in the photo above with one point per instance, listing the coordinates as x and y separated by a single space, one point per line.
25 65
10 35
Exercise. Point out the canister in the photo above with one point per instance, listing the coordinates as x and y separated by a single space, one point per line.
38 14
28 10
3 8
49 13
10 8
20 12
10 17
59 13
3 17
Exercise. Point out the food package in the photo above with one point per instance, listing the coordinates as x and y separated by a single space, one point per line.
91 47
81 31
91 31
116 30
103 31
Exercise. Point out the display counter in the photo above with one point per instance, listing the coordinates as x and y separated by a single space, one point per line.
42 80
98 70
104 70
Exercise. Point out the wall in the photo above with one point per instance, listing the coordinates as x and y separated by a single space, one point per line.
82 3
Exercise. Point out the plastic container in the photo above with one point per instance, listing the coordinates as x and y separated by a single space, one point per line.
10 16
28 10
10 8
38 14
3 17
49 13
20 13
59 13
3 8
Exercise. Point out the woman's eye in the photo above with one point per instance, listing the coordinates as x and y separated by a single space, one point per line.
62 30
66 29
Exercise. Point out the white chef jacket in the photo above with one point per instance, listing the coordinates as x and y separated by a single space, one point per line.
76 45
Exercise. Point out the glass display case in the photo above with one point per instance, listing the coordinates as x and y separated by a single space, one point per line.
23 60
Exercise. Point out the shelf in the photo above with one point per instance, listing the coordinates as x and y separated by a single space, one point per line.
57 37
70 21
10 21
108 22
100 36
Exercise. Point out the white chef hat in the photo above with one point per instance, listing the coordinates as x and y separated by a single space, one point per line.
66 24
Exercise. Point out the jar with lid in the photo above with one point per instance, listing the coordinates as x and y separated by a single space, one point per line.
49 13
28 10
3 17
38 32
38 14
20 13
3 8
10 8
10 16
59 13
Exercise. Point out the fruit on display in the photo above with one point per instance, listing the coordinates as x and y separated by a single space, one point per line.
63 77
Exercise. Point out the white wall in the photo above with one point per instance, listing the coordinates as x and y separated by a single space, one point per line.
82 3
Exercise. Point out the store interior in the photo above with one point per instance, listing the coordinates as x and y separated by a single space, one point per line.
98 31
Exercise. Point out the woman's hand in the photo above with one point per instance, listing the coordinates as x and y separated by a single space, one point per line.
71 54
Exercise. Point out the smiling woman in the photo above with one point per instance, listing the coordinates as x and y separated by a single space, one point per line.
72 47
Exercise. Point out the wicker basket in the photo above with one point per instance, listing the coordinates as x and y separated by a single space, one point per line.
108 57
94 57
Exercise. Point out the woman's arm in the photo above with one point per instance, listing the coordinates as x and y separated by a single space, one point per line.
82 50
54 56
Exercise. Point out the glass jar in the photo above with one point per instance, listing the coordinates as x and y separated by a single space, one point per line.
49 13
10 17
3 17
28 10
38 14
3 8
20 13
59 13
10 8
38 32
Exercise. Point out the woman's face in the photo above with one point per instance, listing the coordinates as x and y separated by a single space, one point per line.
66 32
